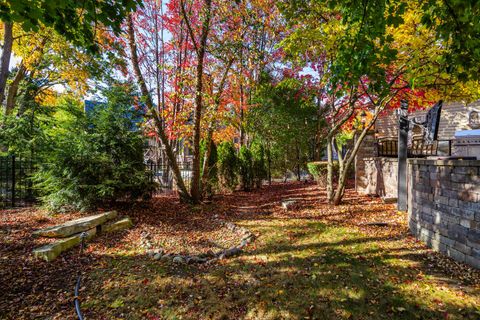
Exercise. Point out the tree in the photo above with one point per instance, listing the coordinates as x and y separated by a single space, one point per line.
283 119
47 60
200 46
367 59
153 111
75 20
95 157
5 59
188 74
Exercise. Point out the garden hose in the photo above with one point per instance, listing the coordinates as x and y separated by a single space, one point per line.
76 299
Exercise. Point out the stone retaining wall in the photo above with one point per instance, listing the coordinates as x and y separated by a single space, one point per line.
444 206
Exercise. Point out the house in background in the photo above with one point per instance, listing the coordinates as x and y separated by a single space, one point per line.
154 152
376 162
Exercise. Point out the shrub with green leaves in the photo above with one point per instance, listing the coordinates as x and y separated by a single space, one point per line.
245 161
212 171
95 157
227 165
319 169
258 165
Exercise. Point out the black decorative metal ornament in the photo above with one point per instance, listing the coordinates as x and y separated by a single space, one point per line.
431 124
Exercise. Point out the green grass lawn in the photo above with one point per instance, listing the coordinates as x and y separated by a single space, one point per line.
296 269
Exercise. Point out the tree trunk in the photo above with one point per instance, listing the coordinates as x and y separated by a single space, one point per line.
205 166
329 169
298 162
211 128
158 121
341 161
5 59
13 89
201 50
269 161
339 192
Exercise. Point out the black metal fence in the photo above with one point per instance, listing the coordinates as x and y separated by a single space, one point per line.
15 181
389 148
16 187
162 175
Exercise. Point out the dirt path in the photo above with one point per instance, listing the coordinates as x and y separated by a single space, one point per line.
313 262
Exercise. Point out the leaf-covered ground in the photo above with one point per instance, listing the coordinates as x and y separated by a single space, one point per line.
313 262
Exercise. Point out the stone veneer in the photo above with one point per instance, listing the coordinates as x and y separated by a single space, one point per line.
366 150
380 177
444 206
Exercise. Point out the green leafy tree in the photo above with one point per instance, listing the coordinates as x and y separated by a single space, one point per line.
77 20
284 120
23 133
95 157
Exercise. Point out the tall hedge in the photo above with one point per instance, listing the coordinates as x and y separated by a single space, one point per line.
212 170
227 164
246 168
259 164
318 170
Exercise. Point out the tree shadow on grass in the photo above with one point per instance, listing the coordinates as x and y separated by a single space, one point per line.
283 279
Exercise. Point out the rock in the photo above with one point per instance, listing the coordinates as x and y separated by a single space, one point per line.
150 253
211 261
210 253
121 224
288 204
166 257
50 251
76 226
196 259
157 256
204 255
248 238
230 226
233 251
148 245
178 259
244 243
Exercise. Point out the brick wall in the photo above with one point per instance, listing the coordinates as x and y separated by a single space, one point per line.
444 206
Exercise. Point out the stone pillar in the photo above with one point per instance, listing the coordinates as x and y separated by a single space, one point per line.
402 156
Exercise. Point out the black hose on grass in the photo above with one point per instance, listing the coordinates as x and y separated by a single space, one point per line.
76 299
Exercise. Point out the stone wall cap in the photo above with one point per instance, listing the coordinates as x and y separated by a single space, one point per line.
391 159
455 163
